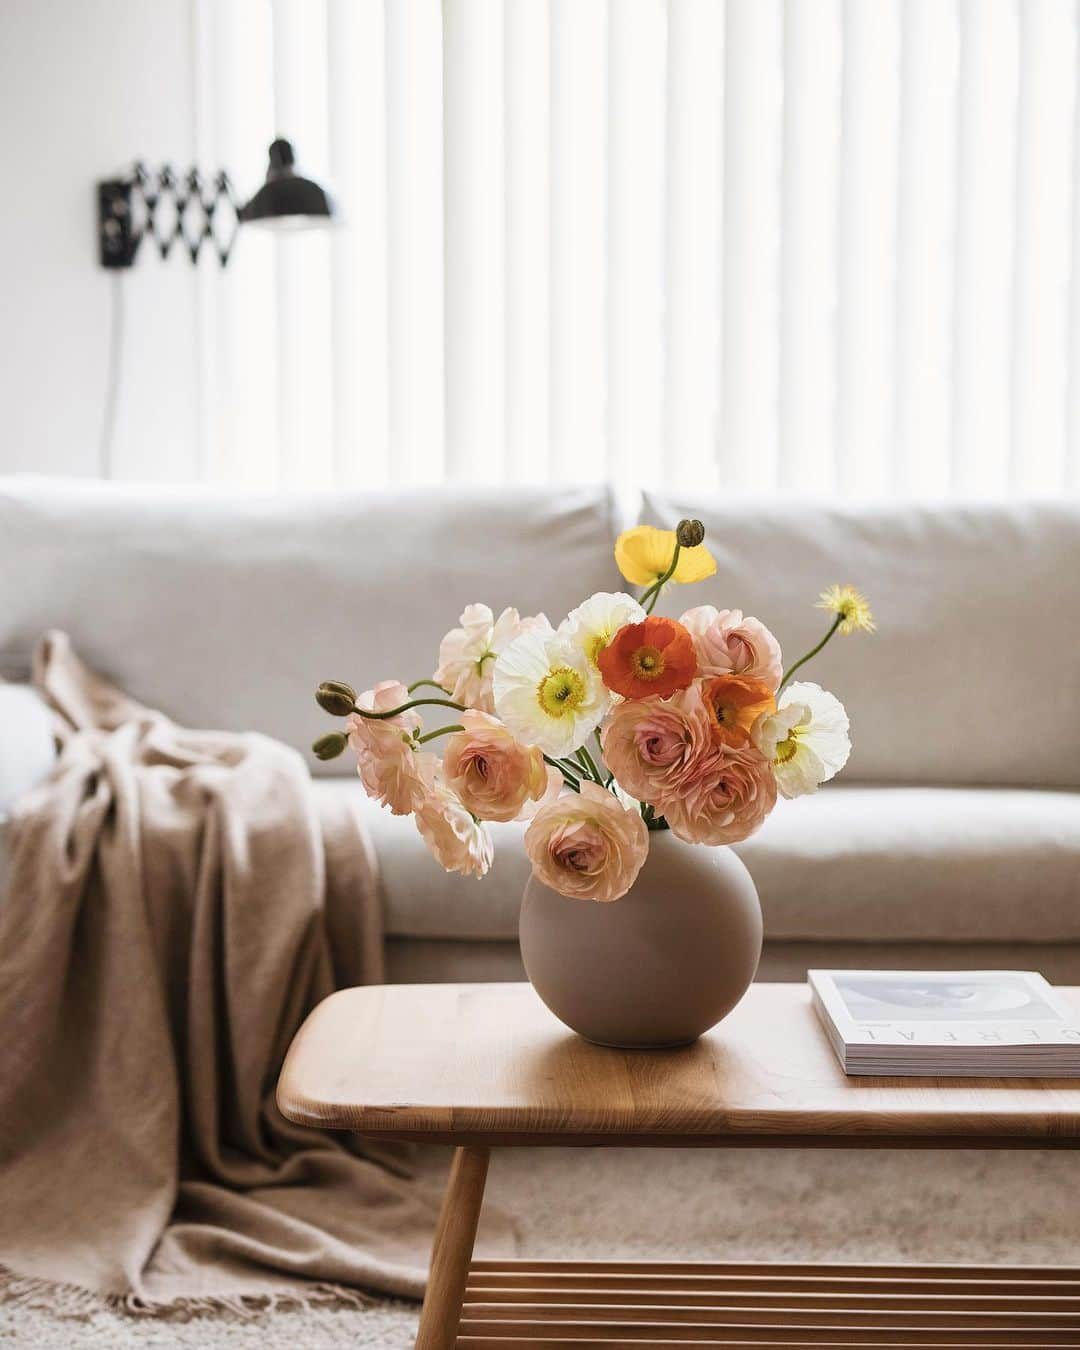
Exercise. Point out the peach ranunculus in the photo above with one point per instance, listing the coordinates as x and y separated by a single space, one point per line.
729 644
467 655
494 775
587 845
458 842
723 797
387 760
650 745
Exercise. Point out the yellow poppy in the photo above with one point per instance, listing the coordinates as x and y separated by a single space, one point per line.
643 555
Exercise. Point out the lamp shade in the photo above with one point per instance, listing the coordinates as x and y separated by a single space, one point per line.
286 200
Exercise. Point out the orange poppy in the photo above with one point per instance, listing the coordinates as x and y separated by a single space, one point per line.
651 659
736 702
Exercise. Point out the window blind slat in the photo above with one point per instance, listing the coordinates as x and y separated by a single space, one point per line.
637 37
984 259
527 152
415 239
1047 89
753 98
356 47
578 238
474 237
305 397
867 248
924 248
812 56
695 94
239 318
1072 392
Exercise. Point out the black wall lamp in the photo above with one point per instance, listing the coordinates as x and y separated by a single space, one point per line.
197 212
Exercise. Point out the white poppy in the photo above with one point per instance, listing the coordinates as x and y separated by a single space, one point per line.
806 740
548 693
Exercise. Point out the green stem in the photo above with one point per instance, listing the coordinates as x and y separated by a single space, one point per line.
419 684
589 765
442 731
609 777
404 707
569 779
812 652
650 597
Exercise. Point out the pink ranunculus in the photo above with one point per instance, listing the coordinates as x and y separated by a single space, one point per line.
587 846
457 841
726 643
650 745
724 797
467 654
390 767
496 777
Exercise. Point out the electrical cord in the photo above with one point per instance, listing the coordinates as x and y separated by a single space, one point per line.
112 378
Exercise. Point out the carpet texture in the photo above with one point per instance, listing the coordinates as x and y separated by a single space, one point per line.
791 1205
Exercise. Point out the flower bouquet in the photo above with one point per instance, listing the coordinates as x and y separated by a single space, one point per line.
614 726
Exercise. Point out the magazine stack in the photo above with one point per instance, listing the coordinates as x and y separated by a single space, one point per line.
948 1024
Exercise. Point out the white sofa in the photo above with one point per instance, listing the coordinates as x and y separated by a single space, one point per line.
952 838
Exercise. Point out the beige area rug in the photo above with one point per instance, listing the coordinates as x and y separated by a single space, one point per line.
923 1206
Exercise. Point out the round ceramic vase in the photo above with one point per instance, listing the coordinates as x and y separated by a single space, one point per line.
657 967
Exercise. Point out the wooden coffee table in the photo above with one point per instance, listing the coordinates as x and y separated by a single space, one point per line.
481 1066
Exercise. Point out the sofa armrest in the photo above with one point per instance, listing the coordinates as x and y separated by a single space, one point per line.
27 745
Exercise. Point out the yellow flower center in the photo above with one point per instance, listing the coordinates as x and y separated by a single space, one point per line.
561 691
648 663
596 645
786 749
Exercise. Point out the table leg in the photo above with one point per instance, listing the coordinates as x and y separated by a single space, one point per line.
451 1253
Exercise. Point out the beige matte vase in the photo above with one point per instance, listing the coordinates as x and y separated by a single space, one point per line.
658 967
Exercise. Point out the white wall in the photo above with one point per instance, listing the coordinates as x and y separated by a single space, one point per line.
87 86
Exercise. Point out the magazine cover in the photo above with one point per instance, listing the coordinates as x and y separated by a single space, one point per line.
945 1008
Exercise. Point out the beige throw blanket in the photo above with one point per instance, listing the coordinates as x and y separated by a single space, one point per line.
174 902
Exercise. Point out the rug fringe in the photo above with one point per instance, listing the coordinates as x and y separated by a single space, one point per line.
72 1301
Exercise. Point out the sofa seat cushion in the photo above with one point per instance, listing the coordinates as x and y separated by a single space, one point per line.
856 864
920 864
420 900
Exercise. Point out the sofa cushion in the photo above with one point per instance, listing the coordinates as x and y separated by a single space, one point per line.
27 754
853 864
225 611
909 864
974 673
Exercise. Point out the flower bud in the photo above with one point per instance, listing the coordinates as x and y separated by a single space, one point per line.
330 746
689 533
335 697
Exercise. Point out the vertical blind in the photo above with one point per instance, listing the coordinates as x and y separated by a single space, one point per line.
799 246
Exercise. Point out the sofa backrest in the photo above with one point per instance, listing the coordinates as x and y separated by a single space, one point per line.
974 673
225 610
